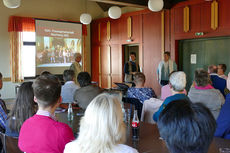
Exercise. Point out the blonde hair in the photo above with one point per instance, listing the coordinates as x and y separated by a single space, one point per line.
102 126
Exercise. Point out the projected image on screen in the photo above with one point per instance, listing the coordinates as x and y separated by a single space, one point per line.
56 44
53 51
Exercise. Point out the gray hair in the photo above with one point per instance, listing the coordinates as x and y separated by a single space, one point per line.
139 77
202 77
77 55
178 80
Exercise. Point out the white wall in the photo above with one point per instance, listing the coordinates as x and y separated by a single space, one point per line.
49 9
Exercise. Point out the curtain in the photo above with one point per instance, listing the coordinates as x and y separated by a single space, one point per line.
16 26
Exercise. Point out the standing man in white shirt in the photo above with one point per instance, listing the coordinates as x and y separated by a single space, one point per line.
165 67
76 66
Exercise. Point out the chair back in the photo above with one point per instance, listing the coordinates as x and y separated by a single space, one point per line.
138 105
10 144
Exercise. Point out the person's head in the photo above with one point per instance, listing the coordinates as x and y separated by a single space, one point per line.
139 78
132 56
0 80
212 69
84 79
221 68
102 126
68 75
186 127
77 57
47 91
177 81
166 56
23 108
45 73
202 78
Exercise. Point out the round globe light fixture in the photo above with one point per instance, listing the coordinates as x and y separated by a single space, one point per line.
85 18
12 3
155 5
114 12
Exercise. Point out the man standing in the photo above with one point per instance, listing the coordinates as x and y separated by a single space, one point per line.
76 66
165 67
131 67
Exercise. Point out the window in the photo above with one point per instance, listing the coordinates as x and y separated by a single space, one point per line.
28 54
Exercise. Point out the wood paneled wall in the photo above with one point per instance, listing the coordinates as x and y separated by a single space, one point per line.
155 33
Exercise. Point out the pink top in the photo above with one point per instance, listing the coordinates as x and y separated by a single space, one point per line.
166 92
228 81
204 88
43 134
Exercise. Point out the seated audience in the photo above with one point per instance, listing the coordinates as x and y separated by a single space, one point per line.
42 133
217 82
223 120
166 90
3 112
177 82
24 108
2 102
102 129
87 92
221 69
139 91
186 127
203 92
69 87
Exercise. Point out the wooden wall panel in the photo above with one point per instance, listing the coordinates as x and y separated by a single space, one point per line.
95 63
224 13
136 21
123 29
94 33
152 48
105 66
178 20
115 34
195 18
206 17
167 30
103 30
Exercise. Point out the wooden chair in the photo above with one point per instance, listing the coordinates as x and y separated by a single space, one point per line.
10 144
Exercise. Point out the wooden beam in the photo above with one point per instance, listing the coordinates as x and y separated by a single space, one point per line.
130 3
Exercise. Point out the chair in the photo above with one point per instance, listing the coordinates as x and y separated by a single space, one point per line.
10 144
138 105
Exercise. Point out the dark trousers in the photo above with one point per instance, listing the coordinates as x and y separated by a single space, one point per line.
164 82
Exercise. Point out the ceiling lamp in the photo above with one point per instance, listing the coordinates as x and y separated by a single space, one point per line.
114 12
85 18
155 5
12 3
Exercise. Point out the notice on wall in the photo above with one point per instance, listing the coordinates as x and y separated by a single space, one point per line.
193 58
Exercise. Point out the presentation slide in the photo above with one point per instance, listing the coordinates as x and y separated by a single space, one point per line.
56 44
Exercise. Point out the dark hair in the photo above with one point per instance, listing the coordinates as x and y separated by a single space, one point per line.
24 107
223 66
47 90
68 75
84 79
212 69
167 53
0 75
139 77
202 77
186 127
45 73
133 53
